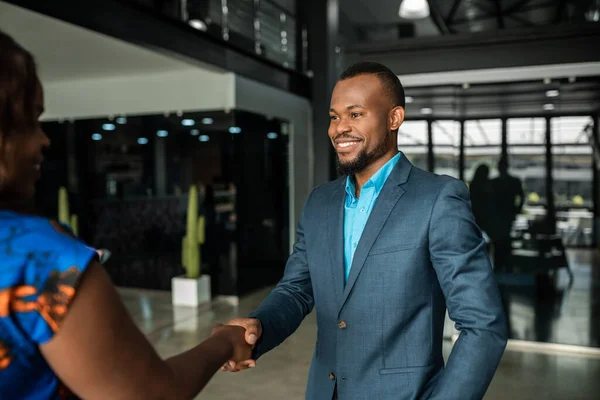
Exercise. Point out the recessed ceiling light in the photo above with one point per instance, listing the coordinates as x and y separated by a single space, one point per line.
272 135
204 138
235 130
549 107
162 133
409 99
426 110
188 122
121 120
207 121
197 24
96 136
466 85
547 81
552 93
194 132
142 140
414 9
108 127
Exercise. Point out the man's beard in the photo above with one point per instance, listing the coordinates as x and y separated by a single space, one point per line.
363 159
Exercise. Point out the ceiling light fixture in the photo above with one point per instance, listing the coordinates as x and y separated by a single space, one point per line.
409 99
188 122
414 9
426 111
552 93
549 107
198 24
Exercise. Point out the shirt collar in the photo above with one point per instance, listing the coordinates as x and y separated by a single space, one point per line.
377 180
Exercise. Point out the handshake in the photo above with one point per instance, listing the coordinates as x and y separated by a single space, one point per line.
241 334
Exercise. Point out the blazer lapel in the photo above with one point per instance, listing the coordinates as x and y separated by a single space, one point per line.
335 235
385 203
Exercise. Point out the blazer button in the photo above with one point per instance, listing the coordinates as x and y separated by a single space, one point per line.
342 325
332 376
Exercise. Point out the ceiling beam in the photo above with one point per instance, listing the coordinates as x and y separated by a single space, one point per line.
499 14
522 21
517 6
438 19
531 46
452 13
561 8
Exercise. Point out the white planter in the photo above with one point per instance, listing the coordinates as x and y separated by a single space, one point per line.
190 292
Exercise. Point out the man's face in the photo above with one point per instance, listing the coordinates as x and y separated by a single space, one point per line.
362 119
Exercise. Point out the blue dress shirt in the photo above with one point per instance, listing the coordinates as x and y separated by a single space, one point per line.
357 210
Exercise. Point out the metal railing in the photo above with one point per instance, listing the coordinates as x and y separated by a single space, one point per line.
260 26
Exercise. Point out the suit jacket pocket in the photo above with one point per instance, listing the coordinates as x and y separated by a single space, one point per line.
393 248
404 370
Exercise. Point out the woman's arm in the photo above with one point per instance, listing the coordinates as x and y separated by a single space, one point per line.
99 353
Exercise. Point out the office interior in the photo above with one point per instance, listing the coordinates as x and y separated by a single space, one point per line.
232 96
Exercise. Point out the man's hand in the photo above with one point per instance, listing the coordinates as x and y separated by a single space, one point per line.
234 335
253 332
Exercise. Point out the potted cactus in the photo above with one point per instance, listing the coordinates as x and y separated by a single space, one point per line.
64 215
193 288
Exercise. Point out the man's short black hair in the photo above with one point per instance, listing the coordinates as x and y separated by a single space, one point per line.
388 79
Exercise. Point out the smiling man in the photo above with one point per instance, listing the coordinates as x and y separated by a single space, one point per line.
380 253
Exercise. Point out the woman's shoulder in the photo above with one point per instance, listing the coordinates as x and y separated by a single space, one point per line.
29 234
41 266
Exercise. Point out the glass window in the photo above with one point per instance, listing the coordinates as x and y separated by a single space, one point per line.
412 141
446 147
572 173
526 138
483 140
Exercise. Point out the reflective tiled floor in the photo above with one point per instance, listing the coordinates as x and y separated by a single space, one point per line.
549 311
282 373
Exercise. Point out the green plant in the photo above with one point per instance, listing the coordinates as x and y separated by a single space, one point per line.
64 215
190 247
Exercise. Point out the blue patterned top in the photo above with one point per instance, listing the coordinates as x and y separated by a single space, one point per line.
40 267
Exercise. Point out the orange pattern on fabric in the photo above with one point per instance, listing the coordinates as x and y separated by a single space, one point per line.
5 296
52 303
5 356
56 297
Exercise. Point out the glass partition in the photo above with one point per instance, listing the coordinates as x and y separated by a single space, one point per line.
483 140
413 141
446 142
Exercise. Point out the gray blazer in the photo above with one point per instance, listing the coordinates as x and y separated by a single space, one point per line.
380 335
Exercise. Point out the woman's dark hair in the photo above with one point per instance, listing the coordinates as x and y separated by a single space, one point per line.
18 85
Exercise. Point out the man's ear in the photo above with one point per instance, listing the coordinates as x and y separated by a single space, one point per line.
396 118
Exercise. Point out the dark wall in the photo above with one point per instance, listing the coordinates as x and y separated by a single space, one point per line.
239 161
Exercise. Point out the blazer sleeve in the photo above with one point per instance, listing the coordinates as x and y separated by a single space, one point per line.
285 307
459 257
